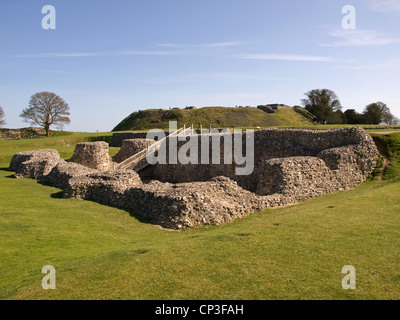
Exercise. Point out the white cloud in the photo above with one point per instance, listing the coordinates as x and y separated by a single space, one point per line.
127 52
388 64
287 57
91 54
145 53
392 6
57 55
220 44
359 37
203 45
244 76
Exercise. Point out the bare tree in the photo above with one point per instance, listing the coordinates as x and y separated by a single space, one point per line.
2 117
46 109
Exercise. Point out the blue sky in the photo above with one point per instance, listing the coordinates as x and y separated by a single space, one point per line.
110 58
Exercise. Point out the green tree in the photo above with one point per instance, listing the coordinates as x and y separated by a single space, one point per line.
337 117
323 103
377 113
46 109
2 117
353 117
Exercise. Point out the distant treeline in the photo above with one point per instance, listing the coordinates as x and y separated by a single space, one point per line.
326 108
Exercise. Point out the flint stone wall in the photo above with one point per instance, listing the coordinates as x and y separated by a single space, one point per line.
174 206
23 133
60 175
105 188
47 166
349 152
93 155
35 163
130 147
118 137
290 165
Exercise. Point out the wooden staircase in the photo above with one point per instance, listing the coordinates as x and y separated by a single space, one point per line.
139 161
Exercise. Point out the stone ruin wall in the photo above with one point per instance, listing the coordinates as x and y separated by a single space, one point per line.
290 165
118 137
346 154
130 147
93 155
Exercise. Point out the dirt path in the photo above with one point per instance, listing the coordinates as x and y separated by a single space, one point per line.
382 150
384 132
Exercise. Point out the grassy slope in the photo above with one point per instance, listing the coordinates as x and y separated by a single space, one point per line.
289 117
290 253
218 117
392 144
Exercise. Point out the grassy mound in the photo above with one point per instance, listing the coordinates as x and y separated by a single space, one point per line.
217 117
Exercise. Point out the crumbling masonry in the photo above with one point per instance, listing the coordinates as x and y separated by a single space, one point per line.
289 166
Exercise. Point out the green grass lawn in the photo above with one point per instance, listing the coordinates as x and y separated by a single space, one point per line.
64 144
101 252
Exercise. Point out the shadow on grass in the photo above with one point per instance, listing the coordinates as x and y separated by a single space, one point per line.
60 195
11 176
137 216
132 213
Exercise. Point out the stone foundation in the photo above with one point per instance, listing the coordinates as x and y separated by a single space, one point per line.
60 174
35 163
93 155
290 165
348 154
130 147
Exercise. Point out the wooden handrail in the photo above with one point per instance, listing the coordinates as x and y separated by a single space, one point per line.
141 155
